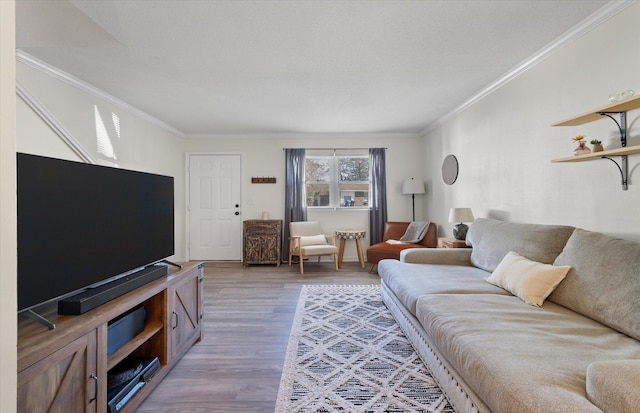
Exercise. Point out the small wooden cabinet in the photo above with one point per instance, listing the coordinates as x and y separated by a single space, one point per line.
261 241
65 369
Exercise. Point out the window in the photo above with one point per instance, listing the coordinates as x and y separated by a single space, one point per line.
337 180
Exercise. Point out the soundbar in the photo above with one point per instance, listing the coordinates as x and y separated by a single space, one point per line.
94 297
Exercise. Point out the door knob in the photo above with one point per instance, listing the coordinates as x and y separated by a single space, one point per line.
237 205
237 213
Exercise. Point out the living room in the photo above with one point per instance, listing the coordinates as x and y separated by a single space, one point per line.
502 138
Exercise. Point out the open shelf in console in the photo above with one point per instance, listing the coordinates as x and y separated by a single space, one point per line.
149 338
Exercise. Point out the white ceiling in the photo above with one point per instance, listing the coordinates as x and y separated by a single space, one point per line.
264 67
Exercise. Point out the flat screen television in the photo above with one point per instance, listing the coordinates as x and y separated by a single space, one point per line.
81 225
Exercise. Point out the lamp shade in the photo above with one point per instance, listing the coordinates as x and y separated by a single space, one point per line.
461 215
411 186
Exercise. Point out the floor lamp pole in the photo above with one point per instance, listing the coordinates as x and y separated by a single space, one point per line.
413 204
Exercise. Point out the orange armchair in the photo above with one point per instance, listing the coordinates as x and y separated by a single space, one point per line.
395 230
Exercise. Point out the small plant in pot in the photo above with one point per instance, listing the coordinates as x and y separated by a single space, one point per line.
597 145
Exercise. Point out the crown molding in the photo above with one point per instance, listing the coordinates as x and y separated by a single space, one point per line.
65 77
579 30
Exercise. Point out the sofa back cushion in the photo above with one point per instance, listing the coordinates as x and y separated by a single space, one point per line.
604 281
492 240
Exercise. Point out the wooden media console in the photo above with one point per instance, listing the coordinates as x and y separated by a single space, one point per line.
65 369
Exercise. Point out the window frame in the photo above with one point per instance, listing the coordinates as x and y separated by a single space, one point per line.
334 182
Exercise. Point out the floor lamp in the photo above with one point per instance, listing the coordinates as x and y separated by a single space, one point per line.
413 187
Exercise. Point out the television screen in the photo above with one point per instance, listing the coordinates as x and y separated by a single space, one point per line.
81 224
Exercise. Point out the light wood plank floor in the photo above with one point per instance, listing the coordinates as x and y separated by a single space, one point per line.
248 317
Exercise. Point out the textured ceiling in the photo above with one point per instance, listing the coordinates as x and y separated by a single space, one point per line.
263 67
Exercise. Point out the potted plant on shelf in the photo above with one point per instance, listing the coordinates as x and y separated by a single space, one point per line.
582 149
597 145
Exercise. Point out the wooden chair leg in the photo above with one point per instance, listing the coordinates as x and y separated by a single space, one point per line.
335 261
301 265
371 267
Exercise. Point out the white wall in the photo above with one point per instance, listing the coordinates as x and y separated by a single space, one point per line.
264 156
504 143
8 255
111 134
141 145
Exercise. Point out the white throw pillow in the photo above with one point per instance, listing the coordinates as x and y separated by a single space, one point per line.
529 280
313 240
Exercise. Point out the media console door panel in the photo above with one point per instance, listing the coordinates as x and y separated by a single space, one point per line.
64 382
185 304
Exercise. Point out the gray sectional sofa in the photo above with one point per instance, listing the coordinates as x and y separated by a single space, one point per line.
490 351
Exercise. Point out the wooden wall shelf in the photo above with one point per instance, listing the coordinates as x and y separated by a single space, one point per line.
627 150
591 116
619 108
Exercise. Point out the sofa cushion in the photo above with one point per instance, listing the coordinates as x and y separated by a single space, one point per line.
604 282
521 358
608 384
529 280
411 281
492 240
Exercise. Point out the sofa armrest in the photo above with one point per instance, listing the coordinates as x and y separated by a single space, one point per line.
613 385
437 256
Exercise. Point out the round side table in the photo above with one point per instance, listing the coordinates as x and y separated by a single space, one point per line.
344 235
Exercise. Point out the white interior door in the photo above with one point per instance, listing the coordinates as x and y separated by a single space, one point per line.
215 223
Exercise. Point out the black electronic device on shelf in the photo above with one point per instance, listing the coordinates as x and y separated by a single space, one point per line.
127 378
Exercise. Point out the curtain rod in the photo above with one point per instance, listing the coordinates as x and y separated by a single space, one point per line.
330 149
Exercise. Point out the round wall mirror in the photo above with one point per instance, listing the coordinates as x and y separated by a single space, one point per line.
450 169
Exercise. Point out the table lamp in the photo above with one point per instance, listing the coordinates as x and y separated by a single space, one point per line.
460 215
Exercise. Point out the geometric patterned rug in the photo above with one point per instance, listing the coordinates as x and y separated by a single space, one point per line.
347 354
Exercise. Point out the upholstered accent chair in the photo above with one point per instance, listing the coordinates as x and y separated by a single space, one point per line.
395 230
307 240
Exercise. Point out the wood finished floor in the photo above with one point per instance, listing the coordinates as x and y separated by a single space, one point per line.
248 317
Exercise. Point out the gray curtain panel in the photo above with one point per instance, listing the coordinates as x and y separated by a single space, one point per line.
295 207
378 205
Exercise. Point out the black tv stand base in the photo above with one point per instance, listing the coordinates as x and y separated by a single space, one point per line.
40 319
172 263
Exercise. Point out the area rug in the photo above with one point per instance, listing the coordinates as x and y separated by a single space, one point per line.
347 354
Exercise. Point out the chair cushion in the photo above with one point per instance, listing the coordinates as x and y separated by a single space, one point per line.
383 250
319 249
313 240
